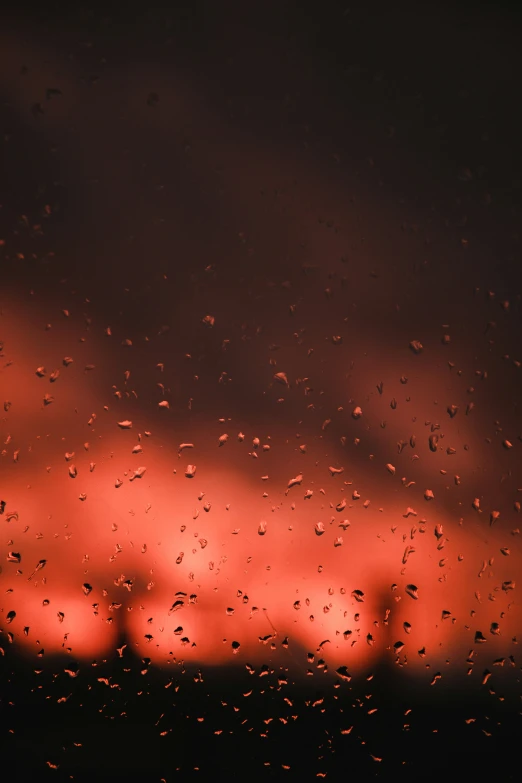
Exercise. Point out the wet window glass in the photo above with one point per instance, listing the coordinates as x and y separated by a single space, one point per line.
260 376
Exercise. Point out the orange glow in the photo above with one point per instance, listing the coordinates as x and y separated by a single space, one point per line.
177 564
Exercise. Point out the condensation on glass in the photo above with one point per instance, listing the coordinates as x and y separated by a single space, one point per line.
260 378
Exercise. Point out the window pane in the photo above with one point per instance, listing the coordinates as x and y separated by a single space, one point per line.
260 374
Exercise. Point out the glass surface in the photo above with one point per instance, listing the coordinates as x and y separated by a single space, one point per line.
260 371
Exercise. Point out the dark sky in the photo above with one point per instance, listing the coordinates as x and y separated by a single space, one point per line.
425 90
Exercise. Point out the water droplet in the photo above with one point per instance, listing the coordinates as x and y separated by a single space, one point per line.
412 591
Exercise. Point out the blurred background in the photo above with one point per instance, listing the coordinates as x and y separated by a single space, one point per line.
260 345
